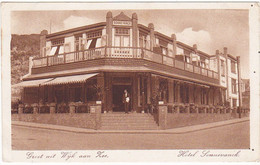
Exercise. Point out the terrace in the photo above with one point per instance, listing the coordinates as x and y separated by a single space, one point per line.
128 56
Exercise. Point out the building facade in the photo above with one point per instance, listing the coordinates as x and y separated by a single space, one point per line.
98 62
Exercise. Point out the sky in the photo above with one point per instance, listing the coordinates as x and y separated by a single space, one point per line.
211 29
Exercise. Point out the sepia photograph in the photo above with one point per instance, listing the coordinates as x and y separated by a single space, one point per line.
130 79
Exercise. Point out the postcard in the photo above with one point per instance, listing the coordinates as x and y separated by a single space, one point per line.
130 82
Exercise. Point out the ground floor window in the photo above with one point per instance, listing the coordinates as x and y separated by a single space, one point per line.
31 95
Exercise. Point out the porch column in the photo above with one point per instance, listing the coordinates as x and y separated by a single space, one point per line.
35 108
20 108
142 90
52 107
135 93
96 109
138 90
101 84
72 107
109 93
170 90
162 112
149 89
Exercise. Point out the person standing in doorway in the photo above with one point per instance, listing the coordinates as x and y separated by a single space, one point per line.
126 100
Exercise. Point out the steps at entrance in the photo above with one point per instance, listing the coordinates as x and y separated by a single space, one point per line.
131 121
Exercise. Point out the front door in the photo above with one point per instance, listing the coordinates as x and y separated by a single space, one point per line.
118 91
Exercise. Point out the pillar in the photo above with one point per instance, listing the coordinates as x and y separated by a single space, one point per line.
52 107
134 33
43 42
143 95
152 42
149 89
177 108
108 92
20 108
170 90
96 109
100 85
35 108
162 112
135 92
72 107
109 25
174 43
109 21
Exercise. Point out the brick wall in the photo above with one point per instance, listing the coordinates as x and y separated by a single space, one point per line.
180 120
74 120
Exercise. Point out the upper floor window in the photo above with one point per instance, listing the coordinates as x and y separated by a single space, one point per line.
234 85
94 34
164 46
57 42
222 67
122 37
233 67
142 40
78 42
122 31
57 47
93 39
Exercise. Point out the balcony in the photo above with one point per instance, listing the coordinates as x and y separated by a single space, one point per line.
139 56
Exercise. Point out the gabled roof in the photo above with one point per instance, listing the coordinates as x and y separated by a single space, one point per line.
122 17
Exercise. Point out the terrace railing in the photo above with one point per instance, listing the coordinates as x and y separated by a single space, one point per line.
121 52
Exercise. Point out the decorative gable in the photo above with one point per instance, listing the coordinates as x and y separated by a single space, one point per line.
122 17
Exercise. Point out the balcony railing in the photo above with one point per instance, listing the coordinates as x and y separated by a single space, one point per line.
121 52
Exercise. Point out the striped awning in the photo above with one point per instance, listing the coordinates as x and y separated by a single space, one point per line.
70 79
32 83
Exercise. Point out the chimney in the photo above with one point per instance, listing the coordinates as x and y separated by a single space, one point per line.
225 51
174 43
43 35
217 52
151 27
195 47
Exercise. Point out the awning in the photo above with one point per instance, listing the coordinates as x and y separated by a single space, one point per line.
32 83
70 79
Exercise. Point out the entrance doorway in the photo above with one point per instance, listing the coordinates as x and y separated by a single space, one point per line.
118 91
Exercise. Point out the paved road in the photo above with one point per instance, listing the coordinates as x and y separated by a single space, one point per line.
234 136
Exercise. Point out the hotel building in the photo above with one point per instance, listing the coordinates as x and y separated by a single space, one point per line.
83 67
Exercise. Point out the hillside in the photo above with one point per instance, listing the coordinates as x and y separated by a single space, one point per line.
22 47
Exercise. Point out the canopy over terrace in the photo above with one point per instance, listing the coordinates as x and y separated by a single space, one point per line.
60 89
54 81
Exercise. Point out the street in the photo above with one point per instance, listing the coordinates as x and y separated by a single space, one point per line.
234 136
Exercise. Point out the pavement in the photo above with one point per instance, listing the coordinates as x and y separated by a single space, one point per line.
180 130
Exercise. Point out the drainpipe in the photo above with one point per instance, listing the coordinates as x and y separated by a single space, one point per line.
239 85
